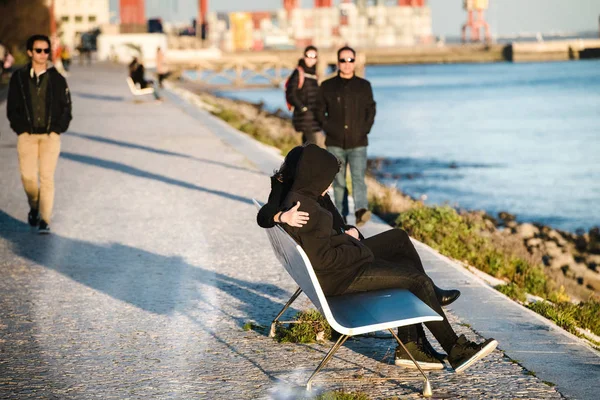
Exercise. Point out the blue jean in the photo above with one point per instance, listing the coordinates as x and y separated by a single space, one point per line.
357 158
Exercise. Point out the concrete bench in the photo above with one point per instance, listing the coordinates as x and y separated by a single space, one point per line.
351 314
137 91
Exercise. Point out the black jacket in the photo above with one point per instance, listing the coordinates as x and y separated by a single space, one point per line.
20 110
346 111
304 121
279 190
336 257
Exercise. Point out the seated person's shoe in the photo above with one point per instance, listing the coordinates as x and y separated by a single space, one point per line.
362 216
429 349
425 360
43 228
33 217
465 353
446 297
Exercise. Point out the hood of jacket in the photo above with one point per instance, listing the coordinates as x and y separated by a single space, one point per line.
315 171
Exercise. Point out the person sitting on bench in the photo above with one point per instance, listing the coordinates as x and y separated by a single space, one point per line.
137 74
344 264
393 245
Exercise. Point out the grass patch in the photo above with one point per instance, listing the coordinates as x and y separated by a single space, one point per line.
251 326
569 316
341 395
259 132
549 383
531 373
311 327
460 237
513 291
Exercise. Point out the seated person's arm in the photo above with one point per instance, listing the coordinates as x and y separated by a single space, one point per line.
317 243
272 213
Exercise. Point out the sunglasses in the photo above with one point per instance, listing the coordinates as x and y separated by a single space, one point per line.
46 50
310 56
346 60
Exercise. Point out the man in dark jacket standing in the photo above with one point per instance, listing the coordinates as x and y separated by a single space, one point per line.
346 110
301 93
39 110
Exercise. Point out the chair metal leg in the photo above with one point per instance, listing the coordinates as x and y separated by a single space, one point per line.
275 321
326 359
427 392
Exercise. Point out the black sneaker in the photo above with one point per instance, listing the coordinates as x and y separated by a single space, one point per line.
33 217
429 349
43 228
465 353
425 360
362 216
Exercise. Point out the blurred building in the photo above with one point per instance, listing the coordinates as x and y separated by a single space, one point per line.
76 17
133 16
356 23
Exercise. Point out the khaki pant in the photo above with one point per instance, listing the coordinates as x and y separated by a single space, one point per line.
38 156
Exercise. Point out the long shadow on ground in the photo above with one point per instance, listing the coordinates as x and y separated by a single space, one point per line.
151 282
153 150
116 166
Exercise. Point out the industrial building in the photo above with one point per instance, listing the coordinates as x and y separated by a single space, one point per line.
75 17
360 23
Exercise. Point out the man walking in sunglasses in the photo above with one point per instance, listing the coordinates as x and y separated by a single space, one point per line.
39 110
346 111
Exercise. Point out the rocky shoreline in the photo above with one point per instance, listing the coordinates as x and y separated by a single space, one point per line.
571 260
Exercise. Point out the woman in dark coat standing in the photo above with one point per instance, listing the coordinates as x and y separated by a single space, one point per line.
301 93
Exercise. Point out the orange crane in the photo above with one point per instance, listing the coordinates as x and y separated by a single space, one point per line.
476 20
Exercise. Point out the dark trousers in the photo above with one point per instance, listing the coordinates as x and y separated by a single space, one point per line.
383 274
395 246
162 77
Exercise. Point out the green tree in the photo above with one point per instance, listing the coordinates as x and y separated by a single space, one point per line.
21 19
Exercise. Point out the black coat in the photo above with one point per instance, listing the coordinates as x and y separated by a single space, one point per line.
304 121
279 190
19 109
336 257
346 111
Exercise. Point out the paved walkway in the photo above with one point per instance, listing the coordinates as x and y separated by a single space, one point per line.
155 264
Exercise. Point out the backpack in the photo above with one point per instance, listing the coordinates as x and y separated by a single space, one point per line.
300 84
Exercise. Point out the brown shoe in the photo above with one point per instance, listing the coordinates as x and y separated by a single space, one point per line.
362 216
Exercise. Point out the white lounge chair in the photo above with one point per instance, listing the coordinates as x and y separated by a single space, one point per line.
351 314
137 91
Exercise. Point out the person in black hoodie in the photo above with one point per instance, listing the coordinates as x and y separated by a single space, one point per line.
39 110
393 245
301 93
343 264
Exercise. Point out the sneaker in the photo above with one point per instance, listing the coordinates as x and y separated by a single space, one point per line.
425 360
429 349
362 216
465 353
33 217
43 228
